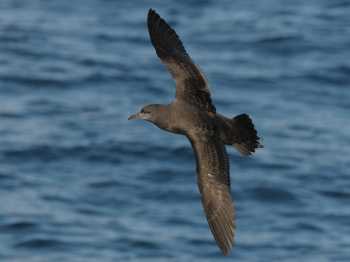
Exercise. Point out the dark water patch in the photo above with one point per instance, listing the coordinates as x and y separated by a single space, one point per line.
200 242
104 202
299 127
90 153
338 4
91 211
36 81
278 39
277 166
169 195
274 195
142 244
40 152
37 243
56 69
7 177
9 181
105 184
154 151
340 219
102 76
309 227
286 45
328 77
94 62
8 37
49 108
11 115
18 226
23 53
101 156
160 176
107 37
340 195
181 221
137 40
52 198
301 247
343 69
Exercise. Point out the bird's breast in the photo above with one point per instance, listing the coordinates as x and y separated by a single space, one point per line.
187 119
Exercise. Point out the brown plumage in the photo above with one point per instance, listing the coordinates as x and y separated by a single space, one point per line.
193 114
170 50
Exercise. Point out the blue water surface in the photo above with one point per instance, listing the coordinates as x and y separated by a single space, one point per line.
78 182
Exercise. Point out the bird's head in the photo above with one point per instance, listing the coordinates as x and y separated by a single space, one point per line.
149 113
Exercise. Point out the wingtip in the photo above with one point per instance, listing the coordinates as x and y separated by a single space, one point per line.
226 250
152 17
151 13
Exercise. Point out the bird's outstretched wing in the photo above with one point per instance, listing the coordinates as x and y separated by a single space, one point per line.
191 86
214 186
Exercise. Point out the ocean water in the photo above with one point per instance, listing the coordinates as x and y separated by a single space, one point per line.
78 182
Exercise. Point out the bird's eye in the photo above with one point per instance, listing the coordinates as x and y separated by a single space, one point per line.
143 110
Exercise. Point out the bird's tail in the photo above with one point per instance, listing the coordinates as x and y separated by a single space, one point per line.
246 138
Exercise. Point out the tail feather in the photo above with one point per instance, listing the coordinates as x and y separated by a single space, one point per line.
246 138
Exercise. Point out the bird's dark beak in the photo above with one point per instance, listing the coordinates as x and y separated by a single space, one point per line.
134 116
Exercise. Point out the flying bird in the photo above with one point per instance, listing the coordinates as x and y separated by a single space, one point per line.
193 114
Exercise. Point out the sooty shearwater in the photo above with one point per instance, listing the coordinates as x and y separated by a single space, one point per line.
193 114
